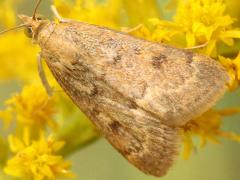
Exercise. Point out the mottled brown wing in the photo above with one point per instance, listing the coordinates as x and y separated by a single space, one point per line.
173 84
144 140
137 92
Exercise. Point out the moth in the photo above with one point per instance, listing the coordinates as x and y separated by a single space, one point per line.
138 93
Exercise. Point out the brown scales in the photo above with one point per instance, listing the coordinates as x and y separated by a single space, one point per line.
136 92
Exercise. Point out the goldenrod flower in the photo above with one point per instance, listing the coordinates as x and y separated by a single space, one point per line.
233 8
106 14
111 13
7 15
197 22
22 55
206 21
37 160
3 152
207 127
33 108
233 67
145 10
157 30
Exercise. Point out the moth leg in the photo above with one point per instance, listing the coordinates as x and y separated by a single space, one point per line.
57 15
128 31
197 47
43 75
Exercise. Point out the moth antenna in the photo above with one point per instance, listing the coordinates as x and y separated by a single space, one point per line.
14 28
55 12
35 9
57 15
128 31
197 47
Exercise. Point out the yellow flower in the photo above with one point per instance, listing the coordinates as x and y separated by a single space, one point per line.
171 5
206 21
7 15
233 8
158 31
21 54
153 31
110 13
233 68
197 22
145 10
3 151
34 109
37 160
207 127
105 14
6 116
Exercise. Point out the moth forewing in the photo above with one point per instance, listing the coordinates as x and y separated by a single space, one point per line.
172 84
136 92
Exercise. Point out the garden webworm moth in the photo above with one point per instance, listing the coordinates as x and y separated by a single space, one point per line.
138 93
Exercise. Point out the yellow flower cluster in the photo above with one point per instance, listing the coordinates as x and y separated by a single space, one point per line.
31 115
208 127
233 67
7 16
34 157
37 160
112 13
196 22
27 70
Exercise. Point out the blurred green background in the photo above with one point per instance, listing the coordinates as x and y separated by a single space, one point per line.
100 161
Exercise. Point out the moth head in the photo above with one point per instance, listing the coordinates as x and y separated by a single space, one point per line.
30 23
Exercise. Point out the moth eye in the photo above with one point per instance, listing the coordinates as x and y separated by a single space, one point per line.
28 32
40 17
